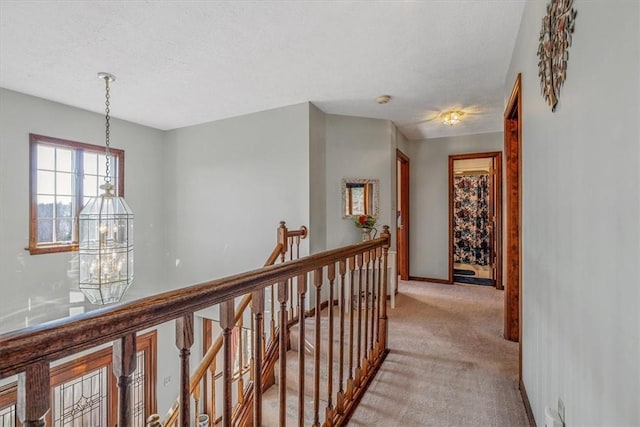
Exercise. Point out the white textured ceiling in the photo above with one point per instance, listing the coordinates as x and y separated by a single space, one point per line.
182 63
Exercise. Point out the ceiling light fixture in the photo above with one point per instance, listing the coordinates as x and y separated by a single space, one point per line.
106 234
383 99
451 118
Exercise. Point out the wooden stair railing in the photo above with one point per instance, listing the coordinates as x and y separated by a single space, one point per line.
29 352
205 375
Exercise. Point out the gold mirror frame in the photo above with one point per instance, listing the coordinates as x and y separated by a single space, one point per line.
369 199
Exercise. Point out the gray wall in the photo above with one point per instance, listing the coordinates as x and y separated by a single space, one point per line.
230 182
429 228
580 220
317 180
356 148
44 281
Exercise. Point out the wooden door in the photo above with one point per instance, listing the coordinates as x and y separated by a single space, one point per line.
402 236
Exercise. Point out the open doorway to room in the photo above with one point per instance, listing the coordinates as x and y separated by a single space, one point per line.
475 217
402 219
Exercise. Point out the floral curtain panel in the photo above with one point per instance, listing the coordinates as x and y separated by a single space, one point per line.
471 219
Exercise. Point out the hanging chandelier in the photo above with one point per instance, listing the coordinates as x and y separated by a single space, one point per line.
106 235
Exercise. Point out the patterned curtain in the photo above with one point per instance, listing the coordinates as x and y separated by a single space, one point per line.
471 219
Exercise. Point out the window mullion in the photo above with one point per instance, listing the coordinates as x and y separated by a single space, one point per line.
79 182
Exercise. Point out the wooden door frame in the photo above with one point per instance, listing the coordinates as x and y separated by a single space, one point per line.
403 187
102 358
513 230
497 190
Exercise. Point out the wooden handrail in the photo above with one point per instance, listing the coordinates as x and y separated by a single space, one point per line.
31 349
277 251
59 338
302 232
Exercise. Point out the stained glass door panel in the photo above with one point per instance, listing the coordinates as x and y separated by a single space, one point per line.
82 401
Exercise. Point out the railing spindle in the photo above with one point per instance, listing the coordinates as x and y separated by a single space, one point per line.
210 404
257 310
302 290
317 282
290 304
352 262
272 306
383 331
331 275
184 341
283 296
33 395
367 274
343 268
374 300
240 360
196 403
359 262
124 364
226 323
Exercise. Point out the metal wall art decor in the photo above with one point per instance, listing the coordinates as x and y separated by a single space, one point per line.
555 39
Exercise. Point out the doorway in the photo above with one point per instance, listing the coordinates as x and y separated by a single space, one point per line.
475 219
402 218
513 271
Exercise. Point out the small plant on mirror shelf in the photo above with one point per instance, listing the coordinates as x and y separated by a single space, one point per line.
367 224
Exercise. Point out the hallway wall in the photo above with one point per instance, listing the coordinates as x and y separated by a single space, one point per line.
357 147
230 182
429 253
580 219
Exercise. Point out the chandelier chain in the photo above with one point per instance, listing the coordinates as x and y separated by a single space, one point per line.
107 103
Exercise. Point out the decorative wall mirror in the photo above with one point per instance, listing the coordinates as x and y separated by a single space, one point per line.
360 197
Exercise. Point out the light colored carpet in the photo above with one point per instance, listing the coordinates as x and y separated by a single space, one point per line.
448 365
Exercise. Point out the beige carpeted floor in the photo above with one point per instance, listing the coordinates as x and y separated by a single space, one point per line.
448 365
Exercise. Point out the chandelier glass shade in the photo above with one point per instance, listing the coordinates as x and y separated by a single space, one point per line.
451 118
106 248
106 238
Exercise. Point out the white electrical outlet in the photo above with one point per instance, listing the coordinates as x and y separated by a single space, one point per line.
167 380
561 410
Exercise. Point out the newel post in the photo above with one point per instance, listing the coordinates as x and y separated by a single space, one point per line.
282 239
184 341
34 395
383 331
124 365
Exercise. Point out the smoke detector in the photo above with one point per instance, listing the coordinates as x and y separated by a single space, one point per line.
383 99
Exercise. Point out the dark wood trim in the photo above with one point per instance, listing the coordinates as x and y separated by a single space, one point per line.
149 343
90 362
403 236
431 279
35 140
9 397
8 394
499 214
527 404
207 335
401 155
513 232
497 193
